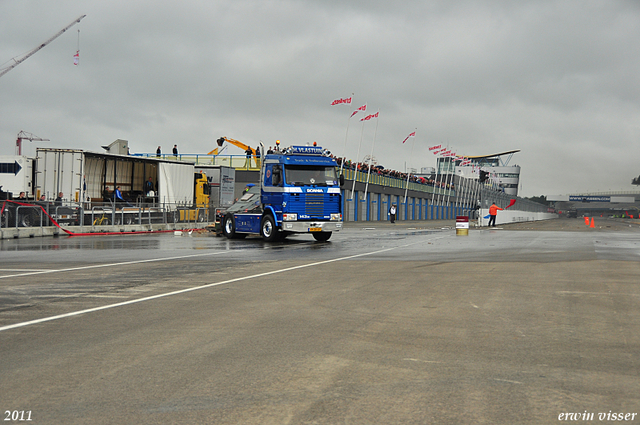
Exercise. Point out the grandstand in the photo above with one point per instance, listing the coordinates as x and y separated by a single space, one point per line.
493 170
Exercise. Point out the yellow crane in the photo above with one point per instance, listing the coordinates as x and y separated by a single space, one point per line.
234 142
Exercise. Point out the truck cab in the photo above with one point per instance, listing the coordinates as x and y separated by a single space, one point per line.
299 192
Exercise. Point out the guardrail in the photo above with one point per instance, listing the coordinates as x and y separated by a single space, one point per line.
239 162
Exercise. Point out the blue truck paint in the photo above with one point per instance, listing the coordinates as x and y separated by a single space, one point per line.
299 192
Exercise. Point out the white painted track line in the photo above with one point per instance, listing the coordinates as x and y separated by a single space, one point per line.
182 291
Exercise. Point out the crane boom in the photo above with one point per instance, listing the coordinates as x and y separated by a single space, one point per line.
26 56
234 142
23 135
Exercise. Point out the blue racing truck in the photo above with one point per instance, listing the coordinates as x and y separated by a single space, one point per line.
299 192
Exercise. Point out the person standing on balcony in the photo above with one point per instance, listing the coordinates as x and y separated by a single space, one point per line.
249 152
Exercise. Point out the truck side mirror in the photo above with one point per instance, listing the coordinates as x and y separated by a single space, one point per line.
341 180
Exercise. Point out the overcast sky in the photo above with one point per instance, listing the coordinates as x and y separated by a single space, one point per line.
556 80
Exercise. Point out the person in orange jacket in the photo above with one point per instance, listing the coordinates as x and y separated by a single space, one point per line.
493 211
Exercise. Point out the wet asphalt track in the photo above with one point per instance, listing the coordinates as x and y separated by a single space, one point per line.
385 324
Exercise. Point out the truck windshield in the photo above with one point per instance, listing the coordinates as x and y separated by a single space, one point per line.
304 175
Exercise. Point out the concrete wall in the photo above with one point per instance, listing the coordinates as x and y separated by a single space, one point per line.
419 205
514 216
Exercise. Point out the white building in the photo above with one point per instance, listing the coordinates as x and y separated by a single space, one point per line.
493 169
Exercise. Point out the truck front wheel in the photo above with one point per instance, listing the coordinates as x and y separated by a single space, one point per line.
268 229
322 236
229 226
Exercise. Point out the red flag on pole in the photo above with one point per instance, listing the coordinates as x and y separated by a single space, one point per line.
435 147
411 135
362 108
339 101
368 117
76 58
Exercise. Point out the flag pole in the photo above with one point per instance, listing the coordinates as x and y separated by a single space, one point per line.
366 187
435 183
461 195
440 188
450 181
344 149
355 176
465 204
406 188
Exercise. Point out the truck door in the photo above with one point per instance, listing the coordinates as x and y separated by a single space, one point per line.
273 186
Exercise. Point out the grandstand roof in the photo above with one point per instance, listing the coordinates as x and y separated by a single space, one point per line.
492 155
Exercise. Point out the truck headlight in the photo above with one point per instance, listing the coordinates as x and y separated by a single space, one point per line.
336 217
289 217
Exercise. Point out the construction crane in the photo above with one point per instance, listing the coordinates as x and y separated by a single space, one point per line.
234 142
23 135
19 59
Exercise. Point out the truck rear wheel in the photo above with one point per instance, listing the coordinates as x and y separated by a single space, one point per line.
127 219
321 236
268 229
26 219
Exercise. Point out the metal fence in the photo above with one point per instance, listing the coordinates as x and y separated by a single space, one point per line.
103 214
239 162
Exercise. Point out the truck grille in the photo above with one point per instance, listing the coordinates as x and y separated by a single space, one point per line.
316 205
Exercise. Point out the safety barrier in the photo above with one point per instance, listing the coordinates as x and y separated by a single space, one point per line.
22 215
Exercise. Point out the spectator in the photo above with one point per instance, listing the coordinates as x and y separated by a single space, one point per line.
117 197
158 152
148 187
392 213
175 150
249 152
58 200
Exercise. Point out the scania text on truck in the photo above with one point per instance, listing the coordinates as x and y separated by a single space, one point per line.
299 192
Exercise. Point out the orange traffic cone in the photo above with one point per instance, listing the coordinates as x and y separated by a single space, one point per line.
592 226
586 221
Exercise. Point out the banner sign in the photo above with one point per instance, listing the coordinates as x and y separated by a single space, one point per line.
590 198
306 150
